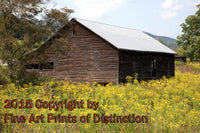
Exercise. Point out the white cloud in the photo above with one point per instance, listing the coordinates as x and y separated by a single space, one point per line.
171 8
92 9
191 3
169 3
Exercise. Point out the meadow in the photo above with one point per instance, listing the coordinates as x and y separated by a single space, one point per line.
171 105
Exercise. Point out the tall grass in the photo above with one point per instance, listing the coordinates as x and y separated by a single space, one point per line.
172 105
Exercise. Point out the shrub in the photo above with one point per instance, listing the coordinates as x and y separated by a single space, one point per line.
4 78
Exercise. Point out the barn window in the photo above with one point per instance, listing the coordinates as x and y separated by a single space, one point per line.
32 66
168 66
48 65
154 67
75 29
96 60
36 66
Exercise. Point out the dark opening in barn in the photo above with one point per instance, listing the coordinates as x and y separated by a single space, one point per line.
154 67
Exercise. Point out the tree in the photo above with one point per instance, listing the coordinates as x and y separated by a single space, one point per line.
180 51
21 31
161 41
190 39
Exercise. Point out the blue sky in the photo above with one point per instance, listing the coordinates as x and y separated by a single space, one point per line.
160 17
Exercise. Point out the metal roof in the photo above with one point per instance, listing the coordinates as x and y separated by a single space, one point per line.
124 38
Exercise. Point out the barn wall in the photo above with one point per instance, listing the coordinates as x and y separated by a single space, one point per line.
131 62
90 59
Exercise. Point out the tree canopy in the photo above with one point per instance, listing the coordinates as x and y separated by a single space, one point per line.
24 26
161 41
190 39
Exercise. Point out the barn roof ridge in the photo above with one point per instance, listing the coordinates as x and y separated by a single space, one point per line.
117 26
125 38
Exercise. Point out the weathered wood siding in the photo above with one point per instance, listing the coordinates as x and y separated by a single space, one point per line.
132 62
90 59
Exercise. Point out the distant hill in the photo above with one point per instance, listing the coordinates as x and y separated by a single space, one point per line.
171 42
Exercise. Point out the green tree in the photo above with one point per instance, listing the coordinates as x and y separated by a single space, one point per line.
161 41
190 39
180 51
21 31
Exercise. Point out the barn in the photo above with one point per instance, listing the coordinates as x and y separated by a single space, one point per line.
105 53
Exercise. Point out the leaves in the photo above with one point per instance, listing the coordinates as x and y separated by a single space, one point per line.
55 19
181 52
22 32
190 37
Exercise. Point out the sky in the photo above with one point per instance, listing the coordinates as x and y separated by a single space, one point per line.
159 17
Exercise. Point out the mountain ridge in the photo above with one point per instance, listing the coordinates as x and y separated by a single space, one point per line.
171 42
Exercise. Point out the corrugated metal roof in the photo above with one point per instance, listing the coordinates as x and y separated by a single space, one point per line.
124 38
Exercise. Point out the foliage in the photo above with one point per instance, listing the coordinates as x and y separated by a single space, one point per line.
55 19
4 78
177 63
172 105
21 32
180 51
190 39
161 41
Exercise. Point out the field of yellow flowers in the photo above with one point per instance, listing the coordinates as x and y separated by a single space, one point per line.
171 105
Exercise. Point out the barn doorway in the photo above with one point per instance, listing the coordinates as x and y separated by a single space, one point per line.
154 67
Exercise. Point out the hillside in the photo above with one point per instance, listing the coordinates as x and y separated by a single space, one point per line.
171 42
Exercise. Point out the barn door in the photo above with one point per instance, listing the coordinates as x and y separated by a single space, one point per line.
154 61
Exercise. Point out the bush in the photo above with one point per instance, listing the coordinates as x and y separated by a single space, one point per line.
34 77
179 63
4 78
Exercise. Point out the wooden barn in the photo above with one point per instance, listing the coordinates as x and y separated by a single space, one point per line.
104 53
